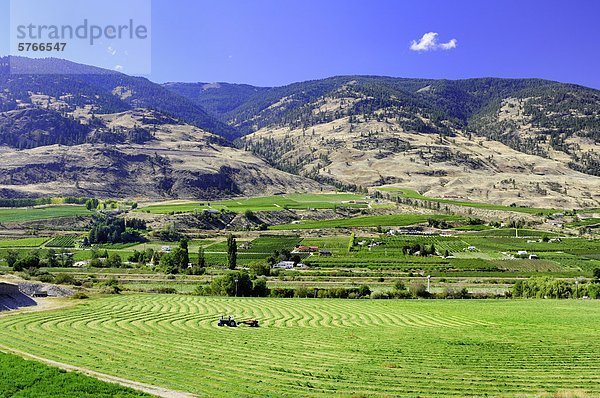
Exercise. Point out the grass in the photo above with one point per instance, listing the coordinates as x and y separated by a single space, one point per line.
586 222
312 347
512 232
63 241
24 242
392 220
412 194
41 213
26 379
265 203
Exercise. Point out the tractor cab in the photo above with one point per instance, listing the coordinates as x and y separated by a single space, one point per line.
227 321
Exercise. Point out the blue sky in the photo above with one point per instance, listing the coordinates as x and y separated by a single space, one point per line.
275 42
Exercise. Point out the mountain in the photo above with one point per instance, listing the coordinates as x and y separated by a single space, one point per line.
84 130
105 134
75 85
216 98
523 141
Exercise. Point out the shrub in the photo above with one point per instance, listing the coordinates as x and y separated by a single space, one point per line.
418 290
111 286
282 293
303 292
162 290
46 278
64 279
259 288
261 269
399 285
380 295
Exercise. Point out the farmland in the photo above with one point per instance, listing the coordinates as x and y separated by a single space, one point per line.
491 253
412 194
359 347
21 378
41 213
23 242
267 203
62 241
397 220
369 348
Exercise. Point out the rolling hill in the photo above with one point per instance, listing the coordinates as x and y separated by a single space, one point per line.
100 133
84 130
510 141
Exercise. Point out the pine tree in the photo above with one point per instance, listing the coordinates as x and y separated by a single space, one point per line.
231 251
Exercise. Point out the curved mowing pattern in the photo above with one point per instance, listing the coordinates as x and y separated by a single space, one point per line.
323 347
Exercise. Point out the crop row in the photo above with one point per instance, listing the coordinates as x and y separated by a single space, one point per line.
323 347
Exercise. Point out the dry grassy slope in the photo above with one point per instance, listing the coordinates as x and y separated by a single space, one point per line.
513 111
182 161
484 172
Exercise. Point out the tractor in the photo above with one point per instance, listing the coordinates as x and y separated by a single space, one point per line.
230 321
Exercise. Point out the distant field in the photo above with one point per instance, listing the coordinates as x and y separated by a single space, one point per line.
28 378
41 213
512 232
392 220
584 223
62 241
24 242
493 252
410 193
317 347
267 203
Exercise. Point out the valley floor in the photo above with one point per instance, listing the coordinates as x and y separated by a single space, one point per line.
312 347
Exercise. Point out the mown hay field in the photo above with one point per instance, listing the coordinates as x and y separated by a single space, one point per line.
323 347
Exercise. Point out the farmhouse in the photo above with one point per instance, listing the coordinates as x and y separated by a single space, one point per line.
522 253
289 265
533 257
246 246
307 249
407 231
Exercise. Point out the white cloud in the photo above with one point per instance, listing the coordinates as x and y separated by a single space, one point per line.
119 67
426 43
429 43
448 46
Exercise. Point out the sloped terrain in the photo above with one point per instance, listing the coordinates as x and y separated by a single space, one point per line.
66 86
178 161
93 132
89 131
522 141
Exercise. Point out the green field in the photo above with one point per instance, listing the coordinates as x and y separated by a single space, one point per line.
314 347
412 194
23 242
27 379
265 203
62 241
391 220
41 213
584 223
